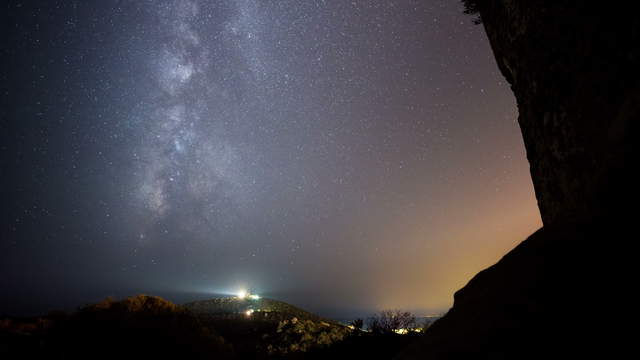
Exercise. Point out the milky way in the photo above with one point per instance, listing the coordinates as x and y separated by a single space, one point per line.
187 167
342 155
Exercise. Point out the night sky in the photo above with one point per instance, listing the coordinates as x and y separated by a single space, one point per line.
345 156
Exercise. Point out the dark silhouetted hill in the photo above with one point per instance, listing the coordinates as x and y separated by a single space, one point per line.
550 297
268 328
137 327
263 308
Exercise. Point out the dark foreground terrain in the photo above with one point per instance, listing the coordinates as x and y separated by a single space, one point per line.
151 327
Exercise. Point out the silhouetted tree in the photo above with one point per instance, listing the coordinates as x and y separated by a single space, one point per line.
391 321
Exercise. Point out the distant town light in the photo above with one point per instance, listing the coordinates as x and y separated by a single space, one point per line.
248 312
254 297
242 294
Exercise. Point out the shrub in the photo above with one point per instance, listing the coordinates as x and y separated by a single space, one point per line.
303 335
392 321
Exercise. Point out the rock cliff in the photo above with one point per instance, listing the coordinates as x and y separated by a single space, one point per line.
574 67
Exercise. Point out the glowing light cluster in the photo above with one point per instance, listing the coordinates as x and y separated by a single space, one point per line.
244 294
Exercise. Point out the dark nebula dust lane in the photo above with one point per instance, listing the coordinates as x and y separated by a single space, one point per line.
343 156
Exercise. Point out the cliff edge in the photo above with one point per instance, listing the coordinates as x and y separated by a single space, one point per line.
574 68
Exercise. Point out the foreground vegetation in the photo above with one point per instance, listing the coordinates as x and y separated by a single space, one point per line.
148 326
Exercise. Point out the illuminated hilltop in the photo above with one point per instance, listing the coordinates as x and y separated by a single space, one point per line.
250 306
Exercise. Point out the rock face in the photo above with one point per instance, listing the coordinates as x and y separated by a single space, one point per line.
574 67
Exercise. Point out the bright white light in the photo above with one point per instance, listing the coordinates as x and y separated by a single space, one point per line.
248 312
254 297
242 294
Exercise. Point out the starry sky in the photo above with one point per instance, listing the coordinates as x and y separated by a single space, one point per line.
345 156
